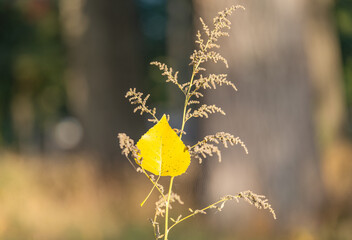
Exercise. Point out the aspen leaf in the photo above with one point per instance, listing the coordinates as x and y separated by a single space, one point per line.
162 151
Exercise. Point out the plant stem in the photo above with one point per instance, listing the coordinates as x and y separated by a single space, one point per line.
196 212
187 99
167 208
188 95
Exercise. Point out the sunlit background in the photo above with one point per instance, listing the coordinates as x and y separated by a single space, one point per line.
65 66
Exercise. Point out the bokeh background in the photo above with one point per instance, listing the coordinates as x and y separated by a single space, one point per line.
65 66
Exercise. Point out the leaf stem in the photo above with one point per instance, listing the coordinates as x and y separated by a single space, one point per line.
154 183
150 191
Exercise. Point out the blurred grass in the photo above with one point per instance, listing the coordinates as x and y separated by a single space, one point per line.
65 197
55 200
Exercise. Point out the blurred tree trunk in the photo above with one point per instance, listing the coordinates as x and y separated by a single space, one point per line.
104 44
273 110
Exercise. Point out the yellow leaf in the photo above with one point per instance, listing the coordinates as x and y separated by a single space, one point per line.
162 151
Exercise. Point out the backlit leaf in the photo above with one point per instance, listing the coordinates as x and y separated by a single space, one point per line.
162 151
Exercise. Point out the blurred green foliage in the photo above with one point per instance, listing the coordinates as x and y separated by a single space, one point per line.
152 19
343 16
32 62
